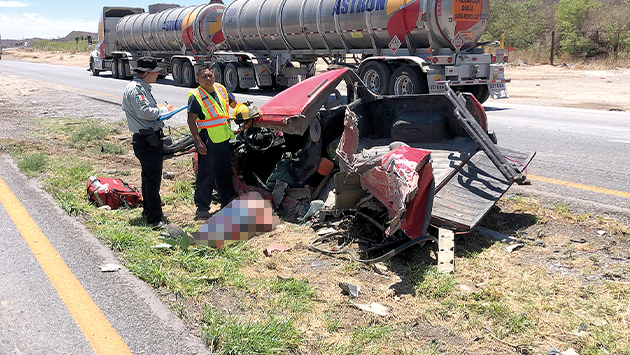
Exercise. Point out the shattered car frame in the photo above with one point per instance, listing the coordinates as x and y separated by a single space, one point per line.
404 161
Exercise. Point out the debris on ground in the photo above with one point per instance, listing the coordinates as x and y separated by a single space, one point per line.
375 308
110 267
276 247
349 289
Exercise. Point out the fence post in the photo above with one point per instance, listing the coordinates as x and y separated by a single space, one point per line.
553 40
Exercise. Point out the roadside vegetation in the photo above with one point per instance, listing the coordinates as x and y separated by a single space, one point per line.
78 46
565 287
580 31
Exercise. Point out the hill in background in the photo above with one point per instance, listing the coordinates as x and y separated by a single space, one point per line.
68 38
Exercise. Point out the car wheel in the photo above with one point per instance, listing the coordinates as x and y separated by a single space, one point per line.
376 77
188 75
94 71
177 71
408 80
218 69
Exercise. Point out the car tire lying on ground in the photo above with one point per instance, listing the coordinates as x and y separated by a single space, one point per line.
179 145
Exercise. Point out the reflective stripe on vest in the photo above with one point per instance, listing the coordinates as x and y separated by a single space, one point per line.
216 113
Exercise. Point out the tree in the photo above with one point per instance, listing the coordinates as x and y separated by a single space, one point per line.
76 39
572 25
521 21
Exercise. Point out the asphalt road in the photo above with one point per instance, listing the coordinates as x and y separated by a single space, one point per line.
104 87
574 146
35 319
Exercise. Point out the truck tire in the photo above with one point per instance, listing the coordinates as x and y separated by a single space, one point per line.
376 76
408 80
481 93
94 71
122 68
231 77
218 69
188 75
177 71
115 68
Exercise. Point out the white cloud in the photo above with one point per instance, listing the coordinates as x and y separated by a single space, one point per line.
27 25
13 4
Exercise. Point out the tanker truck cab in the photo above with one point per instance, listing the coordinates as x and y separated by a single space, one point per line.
105 57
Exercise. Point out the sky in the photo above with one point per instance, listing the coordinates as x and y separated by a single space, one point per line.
51 19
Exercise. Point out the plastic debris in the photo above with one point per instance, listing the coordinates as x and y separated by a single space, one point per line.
511 248
375 308
275 247
315 206
326 231
110 267
169 175
495 235
349 289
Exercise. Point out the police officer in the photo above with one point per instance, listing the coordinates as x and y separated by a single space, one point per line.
143 120
208 123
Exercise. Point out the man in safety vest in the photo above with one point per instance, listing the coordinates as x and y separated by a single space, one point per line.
208 115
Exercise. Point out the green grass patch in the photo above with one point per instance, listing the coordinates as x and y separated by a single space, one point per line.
112 149
181 192
88 134
33 164
431 283
229 335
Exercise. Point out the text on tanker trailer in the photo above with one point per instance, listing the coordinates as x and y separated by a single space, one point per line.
401 46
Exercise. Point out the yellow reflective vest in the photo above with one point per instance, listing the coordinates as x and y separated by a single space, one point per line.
216 113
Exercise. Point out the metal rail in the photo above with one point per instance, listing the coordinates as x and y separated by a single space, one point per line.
481 137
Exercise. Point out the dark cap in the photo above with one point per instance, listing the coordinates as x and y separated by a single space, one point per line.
147 64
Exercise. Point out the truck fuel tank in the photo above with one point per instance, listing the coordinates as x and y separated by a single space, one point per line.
353 24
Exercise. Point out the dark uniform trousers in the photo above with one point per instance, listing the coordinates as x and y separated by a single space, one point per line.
215 172
150 158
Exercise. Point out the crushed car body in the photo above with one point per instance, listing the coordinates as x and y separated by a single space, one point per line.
404 162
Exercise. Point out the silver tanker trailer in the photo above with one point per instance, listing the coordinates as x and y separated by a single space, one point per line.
398 46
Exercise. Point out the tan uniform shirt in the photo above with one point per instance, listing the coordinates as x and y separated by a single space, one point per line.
140 107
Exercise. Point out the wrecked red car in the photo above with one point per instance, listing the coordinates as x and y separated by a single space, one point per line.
329 146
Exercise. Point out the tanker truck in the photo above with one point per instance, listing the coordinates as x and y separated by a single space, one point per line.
396 46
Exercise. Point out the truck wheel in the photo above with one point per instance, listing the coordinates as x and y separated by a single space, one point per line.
481 93
122 68
94 71
408 80
376 76
177 71
188 75
115 69
231 78
218 69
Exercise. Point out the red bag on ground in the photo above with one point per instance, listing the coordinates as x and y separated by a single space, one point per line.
113 192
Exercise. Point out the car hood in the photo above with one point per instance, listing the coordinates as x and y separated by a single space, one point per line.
292 110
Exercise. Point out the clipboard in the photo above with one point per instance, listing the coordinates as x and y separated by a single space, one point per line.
170 114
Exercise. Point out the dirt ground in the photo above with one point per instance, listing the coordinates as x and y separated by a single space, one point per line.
570 243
